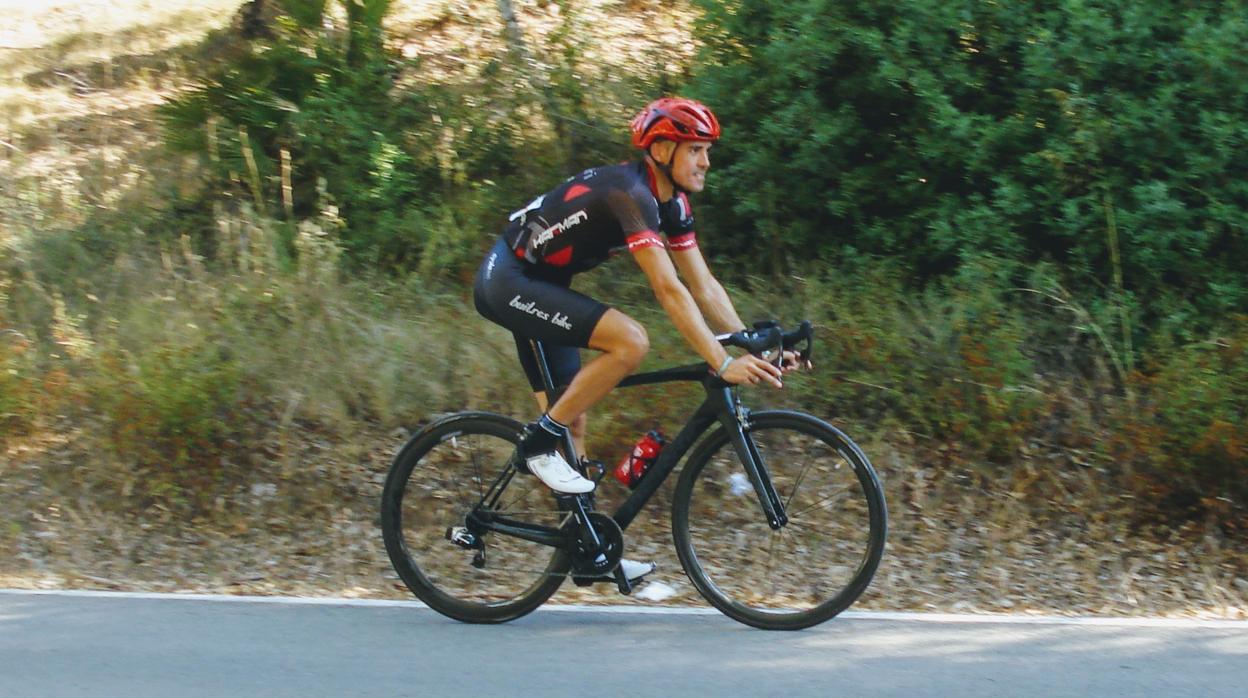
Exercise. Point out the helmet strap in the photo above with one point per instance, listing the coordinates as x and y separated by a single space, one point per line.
666 169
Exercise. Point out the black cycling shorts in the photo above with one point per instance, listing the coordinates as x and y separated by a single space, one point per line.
510 292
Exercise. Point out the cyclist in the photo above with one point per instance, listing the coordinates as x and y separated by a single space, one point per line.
523 283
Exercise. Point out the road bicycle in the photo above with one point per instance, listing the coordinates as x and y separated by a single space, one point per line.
778 517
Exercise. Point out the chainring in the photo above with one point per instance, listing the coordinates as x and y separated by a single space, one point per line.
612 539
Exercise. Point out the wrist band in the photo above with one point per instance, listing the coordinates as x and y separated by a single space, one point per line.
724 365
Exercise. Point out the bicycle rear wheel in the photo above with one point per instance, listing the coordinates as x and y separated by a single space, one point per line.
807 571
442 473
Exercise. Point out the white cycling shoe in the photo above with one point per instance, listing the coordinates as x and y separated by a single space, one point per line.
554 471
634 570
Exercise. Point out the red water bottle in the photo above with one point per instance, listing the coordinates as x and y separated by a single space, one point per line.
643 455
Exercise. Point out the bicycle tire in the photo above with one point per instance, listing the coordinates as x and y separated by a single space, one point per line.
435 480
828 553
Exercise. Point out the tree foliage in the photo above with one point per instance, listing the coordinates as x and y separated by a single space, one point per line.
320 93
1109 138
1021 223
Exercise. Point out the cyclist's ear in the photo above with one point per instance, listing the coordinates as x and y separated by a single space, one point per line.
662 151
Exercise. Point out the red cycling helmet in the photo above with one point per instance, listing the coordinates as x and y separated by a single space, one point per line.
675 119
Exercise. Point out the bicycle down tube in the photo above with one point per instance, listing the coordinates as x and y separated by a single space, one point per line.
721 405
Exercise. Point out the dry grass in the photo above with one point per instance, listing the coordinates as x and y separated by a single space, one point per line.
313 532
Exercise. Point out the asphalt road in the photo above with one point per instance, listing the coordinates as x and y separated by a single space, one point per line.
122 645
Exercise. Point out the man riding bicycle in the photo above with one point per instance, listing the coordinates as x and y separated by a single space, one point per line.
523 284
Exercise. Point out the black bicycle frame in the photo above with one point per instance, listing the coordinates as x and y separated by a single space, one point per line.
721 405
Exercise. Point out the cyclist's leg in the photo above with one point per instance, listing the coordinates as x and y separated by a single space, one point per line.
563 319
510 294
623 343
564 363
540 306
578 427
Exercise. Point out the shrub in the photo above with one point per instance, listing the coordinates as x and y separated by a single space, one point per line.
18 384
950 365
321 112
175 418
1107 138
1183 444
312 101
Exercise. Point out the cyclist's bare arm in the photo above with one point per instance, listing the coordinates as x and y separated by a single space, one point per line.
679 305
710 296
707 292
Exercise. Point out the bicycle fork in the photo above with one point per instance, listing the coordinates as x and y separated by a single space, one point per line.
736 420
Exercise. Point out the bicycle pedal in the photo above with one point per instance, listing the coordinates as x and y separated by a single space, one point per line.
590 581
594 469
621 582
461 536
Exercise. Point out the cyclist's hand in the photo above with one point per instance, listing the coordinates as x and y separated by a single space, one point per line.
750 369
793 362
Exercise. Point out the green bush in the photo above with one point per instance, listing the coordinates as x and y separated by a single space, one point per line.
1184 441
951 365
1109 138
321 95
175 419
18 385
411 166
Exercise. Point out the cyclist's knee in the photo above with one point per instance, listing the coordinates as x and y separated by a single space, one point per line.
635 344
622 337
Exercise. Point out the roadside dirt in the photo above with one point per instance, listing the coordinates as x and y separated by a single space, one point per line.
309 527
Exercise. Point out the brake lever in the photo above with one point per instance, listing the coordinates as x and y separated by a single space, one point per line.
804 333
771 338
768 335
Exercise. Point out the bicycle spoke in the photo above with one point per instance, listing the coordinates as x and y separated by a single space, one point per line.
818 503
797 485
790 543
427 494
804 572
476 468
806 526
771 556
521 495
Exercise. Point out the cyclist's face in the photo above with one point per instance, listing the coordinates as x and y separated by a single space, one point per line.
690 163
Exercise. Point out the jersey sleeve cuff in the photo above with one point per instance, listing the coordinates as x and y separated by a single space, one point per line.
686 241
644 238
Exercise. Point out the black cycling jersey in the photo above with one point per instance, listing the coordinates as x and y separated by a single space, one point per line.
523 284
595 214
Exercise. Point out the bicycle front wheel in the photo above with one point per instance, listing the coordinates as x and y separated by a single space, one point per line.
810 569
440 476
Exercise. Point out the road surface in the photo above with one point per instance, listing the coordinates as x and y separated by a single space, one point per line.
100 644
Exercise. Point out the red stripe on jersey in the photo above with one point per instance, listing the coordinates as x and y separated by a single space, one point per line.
688 241
560 258
650 180
683 202
645 238
576 190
